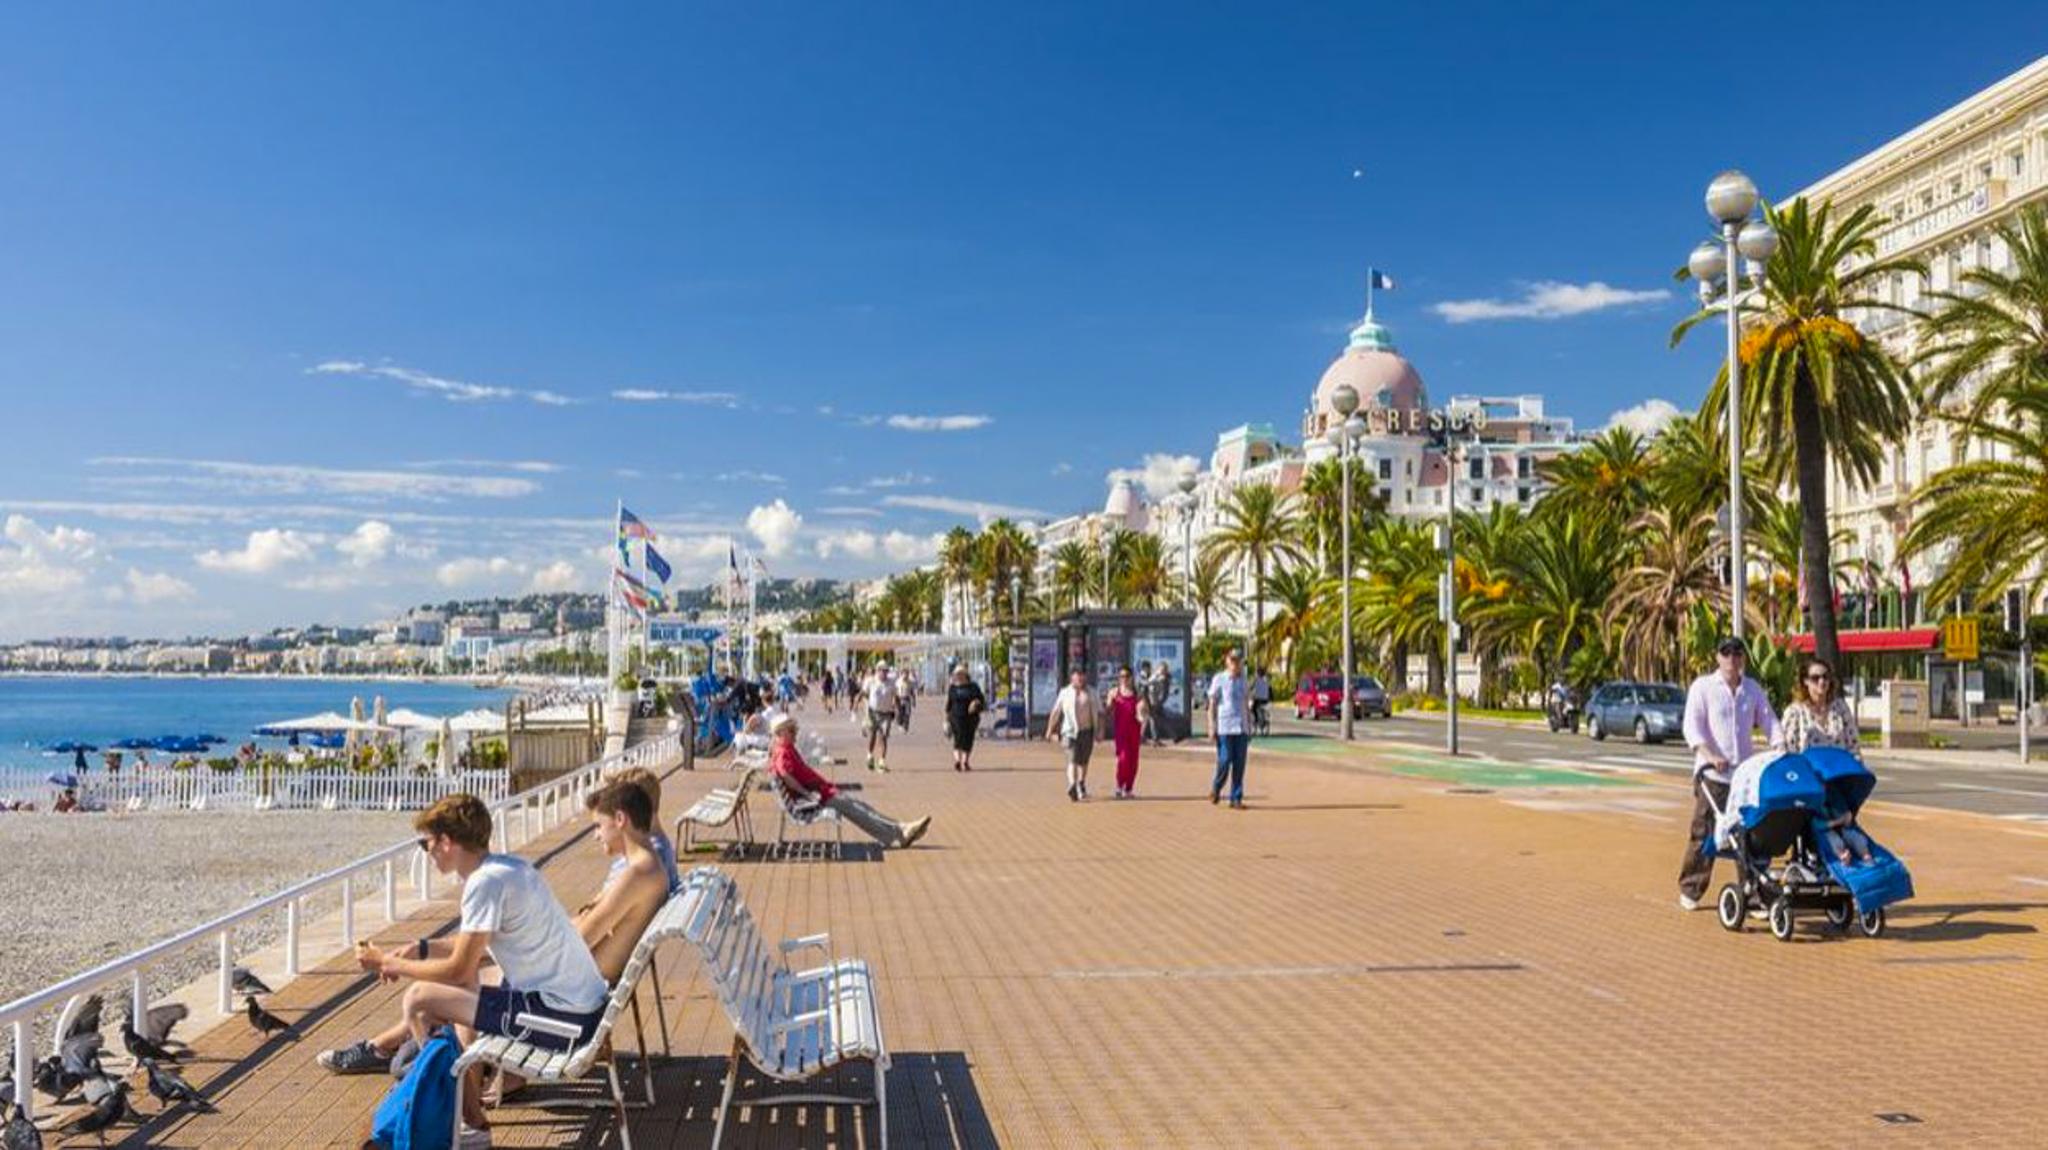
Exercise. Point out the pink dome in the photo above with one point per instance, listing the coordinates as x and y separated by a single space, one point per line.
1380 375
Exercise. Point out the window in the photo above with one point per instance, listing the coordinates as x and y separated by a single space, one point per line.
1478 496
1525 467
1898 209
2016 163
1387 469
1522 494
1926 199
1955 186
1387 496
1984 172
1476 468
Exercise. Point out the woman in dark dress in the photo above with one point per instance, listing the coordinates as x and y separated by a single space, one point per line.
964 705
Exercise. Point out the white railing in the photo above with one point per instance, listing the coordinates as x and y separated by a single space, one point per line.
534 812
202 788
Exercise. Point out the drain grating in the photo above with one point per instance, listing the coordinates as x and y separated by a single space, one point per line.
1899 1118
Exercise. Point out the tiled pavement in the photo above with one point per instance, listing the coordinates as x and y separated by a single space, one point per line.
1363 958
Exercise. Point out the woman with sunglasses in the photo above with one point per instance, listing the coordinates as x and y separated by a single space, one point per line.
1818 716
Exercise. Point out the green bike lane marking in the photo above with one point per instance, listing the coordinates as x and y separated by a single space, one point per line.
1421 764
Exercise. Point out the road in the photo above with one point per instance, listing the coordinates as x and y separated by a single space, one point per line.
2013 793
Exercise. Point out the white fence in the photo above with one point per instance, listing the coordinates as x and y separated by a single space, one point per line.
515 821
202 788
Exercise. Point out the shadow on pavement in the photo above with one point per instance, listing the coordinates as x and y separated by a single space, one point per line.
1949 925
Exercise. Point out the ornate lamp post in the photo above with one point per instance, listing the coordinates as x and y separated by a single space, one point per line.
1343 436
1731 199
1187 526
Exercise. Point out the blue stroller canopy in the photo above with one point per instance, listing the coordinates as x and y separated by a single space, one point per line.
1844 775
1788 783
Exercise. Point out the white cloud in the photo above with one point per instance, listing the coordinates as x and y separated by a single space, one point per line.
907 548
903 479
561 575
1160 476
857 544
151 587
842 489
477 569
973 508
938 422
1062 468
1549 299
1646 418
369 543
746 476
776 526
295 479
532 466
453 390
854 512
728 399
45 562
264 552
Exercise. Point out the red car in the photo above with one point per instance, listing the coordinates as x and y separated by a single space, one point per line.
1321 696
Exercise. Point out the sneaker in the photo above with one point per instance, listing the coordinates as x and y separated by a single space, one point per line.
1687 902
1213 796
361 1058
1074 792
915 831
882 765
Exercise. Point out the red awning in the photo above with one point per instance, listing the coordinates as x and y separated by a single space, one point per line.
1910 639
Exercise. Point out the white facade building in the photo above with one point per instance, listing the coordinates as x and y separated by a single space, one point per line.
1942 188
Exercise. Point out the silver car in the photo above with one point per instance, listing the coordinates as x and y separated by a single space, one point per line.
1652 712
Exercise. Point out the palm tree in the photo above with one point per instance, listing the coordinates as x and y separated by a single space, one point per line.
1487 544
1689 470
1005 561
1560 576
1677 567
1397 600
1143 578
1992 334
1208 586
1990 513
956 559
1779 535
1815 390
1259 528
1299 626
1611 475
1322 501
1073 569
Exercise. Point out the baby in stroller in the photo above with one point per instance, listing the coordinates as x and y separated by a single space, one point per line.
1845 840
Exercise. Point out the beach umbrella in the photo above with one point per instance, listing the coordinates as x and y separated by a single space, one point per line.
355 711
67 747
445 755
479 721
404 719
324 722
65 781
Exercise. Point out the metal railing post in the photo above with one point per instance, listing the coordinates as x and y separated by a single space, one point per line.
227 971
138 1000
24 1070
390 891
291 937
348 911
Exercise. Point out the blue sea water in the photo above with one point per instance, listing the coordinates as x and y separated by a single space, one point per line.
35 712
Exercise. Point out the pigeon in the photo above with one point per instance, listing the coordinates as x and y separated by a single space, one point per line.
6 1091
21 1134
265 1022
246 982
107 1111
52 1079
87 1020
157 1021
80 1053
98 1087
170 1087
142 1049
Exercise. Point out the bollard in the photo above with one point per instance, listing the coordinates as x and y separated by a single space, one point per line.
227 971
291 938
348 911
390 891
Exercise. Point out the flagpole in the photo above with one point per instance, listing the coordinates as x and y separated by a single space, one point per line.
612 647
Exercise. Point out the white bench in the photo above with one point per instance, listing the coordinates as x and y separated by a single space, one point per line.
792 1025
541 1065
721 806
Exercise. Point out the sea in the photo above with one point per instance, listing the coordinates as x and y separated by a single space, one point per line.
37 711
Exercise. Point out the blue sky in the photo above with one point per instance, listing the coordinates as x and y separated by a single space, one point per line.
312 315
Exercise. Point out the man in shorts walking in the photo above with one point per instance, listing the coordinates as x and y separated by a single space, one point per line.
881 716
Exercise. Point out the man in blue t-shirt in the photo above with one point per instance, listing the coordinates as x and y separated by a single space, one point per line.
1229 704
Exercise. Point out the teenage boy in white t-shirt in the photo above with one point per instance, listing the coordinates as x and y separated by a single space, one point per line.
507 910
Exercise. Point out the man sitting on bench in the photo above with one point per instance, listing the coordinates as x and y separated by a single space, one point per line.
650 784
507 910
796 776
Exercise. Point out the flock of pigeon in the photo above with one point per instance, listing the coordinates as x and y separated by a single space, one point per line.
75 1073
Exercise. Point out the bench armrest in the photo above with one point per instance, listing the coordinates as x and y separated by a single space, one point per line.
792 945
546 1025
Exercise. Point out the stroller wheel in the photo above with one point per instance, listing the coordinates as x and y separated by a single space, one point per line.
1839 915
1781 920
1872 923
1730 907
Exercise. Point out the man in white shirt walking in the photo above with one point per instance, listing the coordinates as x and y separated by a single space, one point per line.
1073 723
1722 710
881 716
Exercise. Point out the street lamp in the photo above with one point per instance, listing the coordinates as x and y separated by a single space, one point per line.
1187 526
1718 266
1343 435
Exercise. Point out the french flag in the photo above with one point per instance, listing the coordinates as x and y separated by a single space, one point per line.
1379 280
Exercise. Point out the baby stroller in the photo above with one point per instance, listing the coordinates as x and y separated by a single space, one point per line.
1778 809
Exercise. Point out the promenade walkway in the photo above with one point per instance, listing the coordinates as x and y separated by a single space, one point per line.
1386 949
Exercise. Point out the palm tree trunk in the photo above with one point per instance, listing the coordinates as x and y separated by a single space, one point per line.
1811 458
1258 615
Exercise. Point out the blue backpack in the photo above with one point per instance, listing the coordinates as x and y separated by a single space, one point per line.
419 1113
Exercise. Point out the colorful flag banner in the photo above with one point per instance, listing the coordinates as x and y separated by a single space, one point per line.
656 565
630 526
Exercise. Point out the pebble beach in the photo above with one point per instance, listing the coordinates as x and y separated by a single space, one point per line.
82 889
